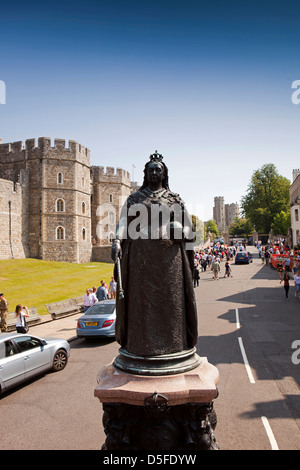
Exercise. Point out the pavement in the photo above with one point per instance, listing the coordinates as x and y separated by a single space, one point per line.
64 328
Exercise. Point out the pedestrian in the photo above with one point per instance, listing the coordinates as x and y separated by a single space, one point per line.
227 269
280 268
204 264
287 264
88 300
286 284
297 283
295 265
112 288
216 269
94 296
3 313
20 314
101 291
196 276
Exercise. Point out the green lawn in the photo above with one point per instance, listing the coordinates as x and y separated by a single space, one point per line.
35 282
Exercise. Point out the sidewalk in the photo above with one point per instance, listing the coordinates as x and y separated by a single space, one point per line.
61 328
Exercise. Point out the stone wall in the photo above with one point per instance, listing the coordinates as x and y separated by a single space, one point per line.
62 192
14 227
110 190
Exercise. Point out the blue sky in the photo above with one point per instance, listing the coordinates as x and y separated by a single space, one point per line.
207 84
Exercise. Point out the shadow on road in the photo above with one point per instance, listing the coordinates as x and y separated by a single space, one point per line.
268 326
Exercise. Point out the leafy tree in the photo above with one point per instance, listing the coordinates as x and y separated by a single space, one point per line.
282 223
212 227
198 228
267 195
240 227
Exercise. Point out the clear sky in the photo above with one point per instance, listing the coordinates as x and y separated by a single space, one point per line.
206 83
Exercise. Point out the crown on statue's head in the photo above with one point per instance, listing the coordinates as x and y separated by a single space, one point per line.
156 157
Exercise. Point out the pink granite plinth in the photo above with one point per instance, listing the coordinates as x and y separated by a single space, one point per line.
195 386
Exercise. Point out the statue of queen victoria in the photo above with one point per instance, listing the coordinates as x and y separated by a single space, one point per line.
157 317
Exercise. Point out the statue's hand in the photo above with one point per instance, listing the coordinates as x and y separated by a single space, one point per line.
116 250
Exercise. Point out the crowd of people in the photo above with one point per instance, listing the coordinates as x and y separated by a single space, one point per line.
103 292
286 262
287 265
211 258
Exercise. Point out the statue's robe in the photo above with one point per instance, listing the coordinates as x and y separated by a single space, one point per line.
158 314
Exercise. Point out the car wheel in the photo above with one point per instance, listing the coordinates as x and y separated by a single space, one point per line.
60 360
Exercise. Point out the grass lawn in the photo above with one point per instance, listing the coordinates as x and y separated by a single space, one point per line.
35 282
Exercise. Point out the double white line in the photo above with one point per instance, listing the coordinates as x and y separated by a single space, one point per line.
265 421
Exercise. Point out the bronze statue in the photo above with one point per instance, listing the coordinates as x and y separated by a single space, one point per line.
157 314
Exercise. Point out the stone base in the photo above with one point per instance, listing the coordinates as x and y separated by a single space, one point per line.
173 412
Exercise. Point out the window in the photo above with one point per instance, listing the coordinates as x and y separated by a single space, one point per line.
7 349
60 205
59 178
27 342
111 217
296 215
60 233
83 234
110 198
83 207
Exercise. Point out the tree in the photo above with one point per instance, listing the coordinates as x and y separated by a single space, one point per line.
212 227
282 223
198 229
267 195
240 227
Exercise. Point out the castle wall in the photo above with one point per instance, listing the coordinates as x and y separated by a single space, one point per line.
64 192
14 229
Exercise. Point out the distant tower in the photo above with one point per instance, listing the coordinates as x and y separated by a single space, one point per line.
219 213
231 212
296 172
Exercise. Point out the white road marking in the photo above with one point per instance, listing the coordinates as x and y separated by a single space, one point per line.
270 434
248 369
237 318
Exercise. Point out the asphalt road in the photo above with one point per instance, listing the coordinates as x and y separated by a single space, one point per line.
246 329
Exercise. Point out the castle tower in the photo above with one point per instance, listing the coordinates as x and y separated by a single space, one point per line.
219 213
59 209
110 191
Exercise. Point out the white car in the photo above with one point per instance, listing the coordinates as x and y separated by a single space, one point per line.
23 356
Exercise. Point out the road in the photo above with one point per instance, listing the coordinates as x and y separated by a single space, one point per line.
246 329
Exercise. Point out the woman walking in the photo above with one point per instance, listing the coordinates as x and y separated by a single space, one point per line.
286 284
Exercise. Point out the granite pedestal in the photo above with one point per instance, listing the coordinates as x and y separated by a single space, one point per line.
167 412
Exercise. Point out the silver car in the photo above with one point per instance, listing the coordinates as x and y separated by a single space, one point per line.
23 356
98 320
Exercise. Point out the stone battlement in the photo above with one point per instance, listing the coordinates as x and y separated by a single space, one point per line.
114 174
43 144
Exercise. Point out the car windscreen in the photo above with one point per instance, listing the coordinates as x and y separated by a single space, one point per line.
101 309
242 255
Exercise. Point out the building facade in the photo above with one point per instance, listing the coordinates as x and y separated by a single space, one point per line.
294 192
50 198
